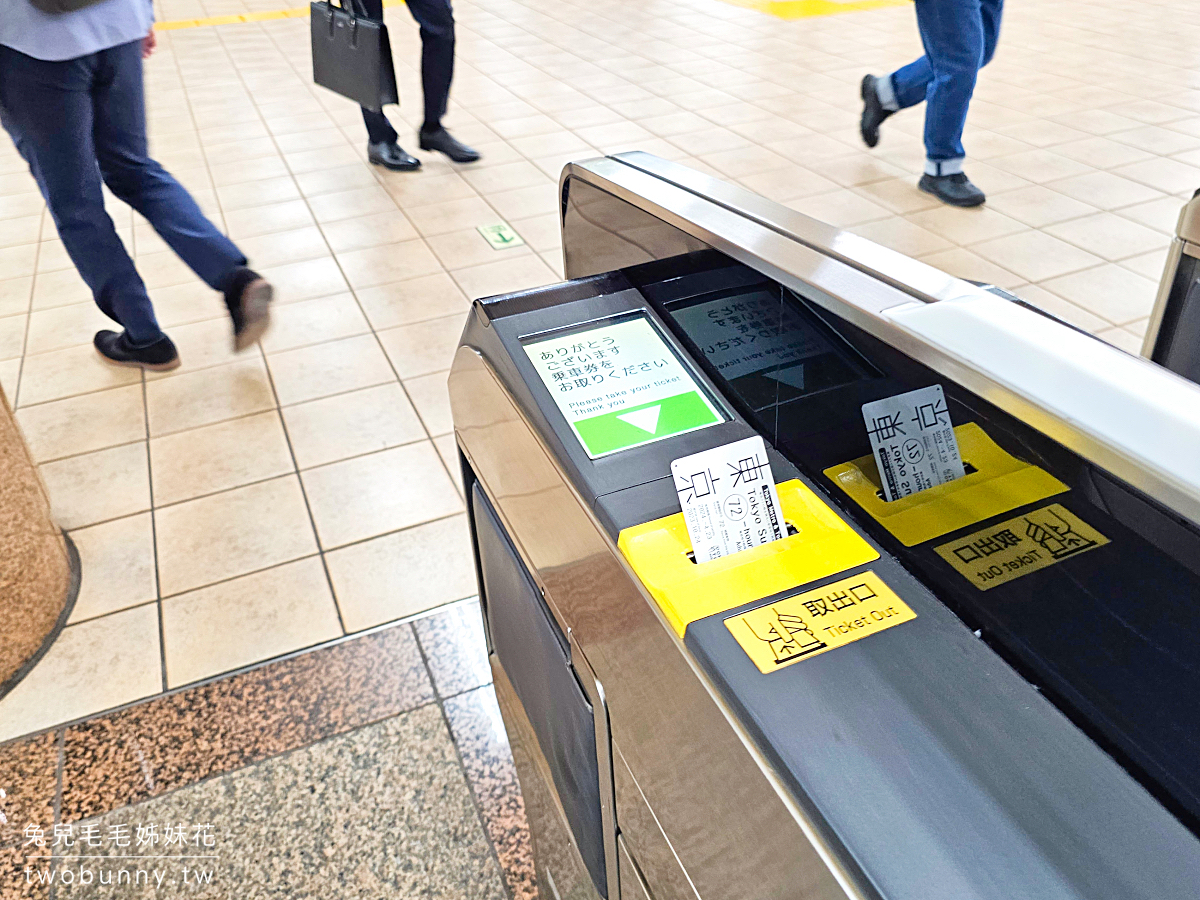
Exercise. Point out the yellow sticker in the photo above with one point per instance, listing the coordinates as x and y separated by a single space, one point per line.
811 623
1019 546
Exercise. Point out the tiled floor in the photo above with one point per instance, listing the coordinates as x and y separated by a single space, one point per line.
244 507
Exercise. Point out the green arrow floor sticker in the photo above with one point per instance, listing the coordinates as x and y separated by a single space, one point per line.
500 236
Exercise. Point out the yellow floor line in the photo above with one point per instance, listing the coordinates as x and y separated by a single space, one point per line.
294 12
807 9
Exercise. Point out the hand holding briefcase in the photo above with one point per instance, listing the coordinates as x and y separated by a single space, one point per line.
351 54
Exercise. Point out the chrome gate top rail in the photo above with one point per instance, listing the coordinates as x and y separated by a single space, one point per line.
1128 416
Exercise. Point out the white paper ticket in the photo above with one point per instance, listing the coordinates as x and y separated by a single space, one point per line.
728 498
913 440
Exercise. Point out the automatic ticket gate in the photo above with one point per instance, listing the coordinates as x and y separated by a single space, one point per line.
988 689
1173 334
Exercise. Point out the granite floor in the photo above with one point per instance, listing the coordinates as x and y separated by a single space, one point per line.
375 767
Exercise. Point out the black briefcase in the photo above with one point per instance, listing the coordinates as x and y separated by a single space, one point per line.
352 55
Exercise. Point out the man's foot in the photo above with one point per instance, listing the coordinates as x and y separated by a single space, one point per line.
955 189
248 297
873 112
161 356
392 156
444 142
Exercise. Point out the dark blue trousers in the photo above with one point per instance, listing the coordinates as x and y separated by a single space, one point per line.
80 123
436 18
960 38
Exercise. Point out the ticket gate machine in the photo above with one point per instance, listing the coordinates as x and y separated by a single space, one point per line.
760 726
1173 334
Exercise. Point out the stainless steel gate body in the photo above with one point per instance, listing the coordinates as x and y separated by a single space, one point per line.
937 771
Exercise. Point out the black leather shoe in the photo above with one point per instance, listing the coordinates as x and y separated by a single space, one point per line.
444 142
161 356
392 156
955 189
248 297
873 112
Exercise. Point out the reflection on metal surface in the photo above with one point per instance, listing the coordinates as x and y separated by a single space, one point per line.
868 286
692 760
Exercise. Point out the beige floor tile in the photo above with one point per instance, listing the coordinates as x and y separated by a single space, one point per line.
540 232
250 194
841 208
116 565
1122 339
517 273
218 457
383 265
10 372
454 215
404 573
962 263
1101 153
313 322
261 168
365 231
20 230
1109 290
1167 175
511 176
782 185
329 368
966 226
1039 206
84 423
416 300
410 190
13 330
285 247
431 396
193 399
1109 236
233 533
305 280
1161 214
346 425
447 449
15 295
94 487
92 666
247 620
66 373
459 249
62 288
1105 190
18 261
344 205
182 304
202 345
1148 265
1039 166
276 217
1035 256
335 180
902 236
1060 308
382 492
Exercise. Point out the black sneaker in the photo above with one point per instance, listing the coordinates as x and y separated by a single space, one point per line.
955 189
161 356
392 156
873 112
248 297
444 142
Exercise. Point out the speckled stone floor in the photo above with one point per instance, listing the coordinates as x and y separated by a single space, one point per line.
377 767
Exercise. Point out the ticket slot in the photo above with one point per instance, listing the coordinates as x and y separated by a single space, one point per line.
819 544
996 482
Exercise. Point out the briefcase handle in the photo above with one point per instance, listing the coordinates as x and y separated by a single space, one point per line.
353 8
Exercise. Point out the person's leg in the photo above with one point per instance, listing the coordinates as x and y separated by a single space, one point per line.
436 18
379 129
47 109
991 12
906 86
123 154
953 33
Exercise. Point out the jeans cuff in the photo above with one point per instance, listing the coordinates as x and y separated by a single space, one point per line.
944 166
886 93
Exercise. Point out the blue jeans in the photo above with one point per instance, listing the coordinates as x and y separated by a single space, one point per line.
83 121
959 38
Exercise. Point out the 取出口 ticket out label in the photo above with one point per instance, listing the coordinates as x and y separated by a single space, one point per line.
812 623
1020 545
